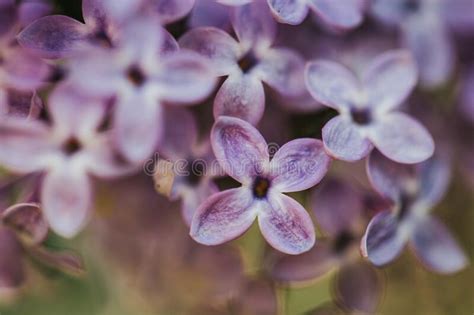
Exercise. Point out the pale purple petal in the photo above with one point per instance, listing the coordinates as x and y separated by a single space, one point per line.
223 217
435 175
29 11
94 12
340 14
216 45
66 197
67 262
209 13
358 287
142 38
331 84
21 140
283 70
180 133
402 138
458 14
343 140
23 71
169 44
137 126
299 165
185 77
241 96
169 11
193 197
390 79
239 147
54 36
11 266
27 221
289 11
286 225
307 266
433 50
383 240
336 206
387 177
254 25
434 245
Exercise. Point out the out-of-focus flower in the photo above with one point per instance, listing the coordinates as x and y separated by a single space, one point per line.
188 167
467 95
415 191
209 13
22 232
68 150
141 73
366 109
341 211
243 155
424 25
248 62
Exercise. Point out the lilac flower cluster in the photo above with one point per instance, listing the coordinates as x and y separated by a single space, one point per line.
96 99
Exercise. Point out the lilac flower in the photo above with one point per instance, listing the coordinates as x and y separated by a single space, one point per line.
188 170
141 73
243 155
424 28
22 232
248 62
415 191
341 213
366 109
467 95
67 151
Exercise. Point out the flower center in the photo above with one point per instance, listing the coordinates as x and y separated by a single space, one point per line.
247 62
260 187
102 37
342 242
136 75
361 116
71 146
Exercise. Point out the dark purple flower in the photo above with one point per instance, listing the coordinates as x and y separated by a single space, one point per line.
248 62
188 168
68 151
341 213
141 73
424 25
415 191
366 107
242 153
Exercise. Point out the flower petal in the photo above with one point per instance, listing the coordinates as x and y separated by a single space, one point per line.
307 266
436 248
21 140
402 138
432 49
137 131
286 225
289 11
337 207
193 197
240 96
66 197
239 147
390 79
383 241
169 11
54 36
23 71
27 221
387 177
340 14
180 133
435 175
344 141
209 13
299 165
94 12
186 71
216 45
11 265
331 84
223 217
283 70
254 25
358 287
